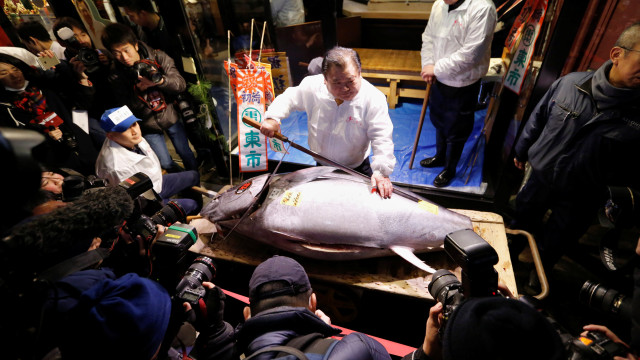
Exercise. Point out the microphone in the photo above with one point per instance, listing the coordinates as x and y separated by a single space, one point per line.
68 231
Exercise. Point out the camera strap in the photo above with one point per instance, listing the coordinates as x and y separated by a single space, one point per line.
76 263
157 103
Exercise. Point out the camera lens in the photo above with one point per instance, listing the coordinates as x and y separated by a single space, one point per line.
442 281
599 297
203 269
190 288
169 214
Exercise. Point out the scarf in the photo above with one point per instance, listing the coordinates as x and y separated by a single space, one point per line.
606 95
31 100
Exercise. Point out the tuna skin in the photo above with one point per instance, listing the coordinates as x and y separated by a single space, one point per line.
324 213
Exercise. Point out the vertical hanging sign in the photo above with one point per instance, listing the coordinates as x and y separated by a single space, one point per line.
519 23
253 89
514 77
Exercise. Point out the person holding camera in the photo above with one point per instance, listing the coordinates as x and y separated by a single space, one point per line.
93 314
148 81
39 100
82 54
126 152
283 307
491 327
583 135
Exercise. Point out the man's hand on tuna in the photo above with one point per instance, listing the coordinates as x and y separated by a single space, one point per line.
382 184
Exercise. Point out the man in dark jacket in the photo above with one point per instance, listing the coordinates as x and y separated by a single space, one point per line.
583 135
147 81
283 307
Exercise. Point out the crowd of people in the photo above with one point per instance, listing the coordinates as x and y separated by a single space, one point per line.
104 114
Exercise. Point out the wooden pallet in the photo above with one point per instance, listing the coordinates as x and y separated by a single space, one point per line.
390 274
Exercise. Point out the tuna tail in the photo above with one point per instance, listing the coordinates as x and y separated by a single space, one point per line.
407 254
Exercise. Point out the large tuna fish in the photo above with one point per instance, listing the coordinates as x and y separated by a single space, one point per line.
325 213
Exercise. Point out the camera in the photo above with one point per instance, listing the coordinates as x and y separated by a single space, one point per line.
608 300
595 345
89 57
147 69
476 259
75 184
186 110
190 287
145 226
620 209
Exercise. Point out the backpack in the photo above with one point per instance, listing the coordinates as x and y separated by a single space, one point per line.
313 346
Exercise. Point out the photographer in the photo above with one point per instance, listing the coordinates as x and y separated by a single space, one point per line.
128 317
148 82
82 54
42 101
489 328
283 308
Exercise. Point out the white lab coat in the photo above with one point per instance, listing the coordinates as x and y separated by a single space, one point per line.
458 43
344 133
116 163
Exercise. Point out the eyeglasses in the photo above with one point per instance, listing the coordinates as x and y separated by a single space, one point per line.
622 47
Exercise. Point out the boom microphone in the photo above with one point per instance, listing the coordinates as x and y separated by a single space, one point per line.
67 231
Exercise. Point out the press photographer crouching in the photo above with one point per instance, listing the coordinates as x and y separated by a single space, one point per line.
472 320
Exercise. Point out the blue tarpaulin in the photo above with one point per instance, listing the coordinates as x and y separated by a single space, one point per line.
405 118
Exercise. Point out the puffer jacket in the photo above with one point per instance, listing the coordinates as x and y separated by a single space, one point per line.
574 147
123 85
277 326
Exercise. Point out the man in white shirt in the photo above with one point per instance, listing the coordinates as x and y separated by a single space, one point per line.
125 152
36 39
456 49
347 117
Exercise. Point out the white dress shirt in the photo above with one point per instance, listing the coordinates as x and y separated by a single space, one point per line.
458 42
344 133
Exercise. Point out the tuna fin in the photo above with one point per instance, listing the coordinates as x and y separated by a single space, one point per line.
407 254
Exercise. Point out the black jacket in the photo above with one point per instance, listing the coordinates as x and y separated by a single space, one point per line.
123 86
573 146
279 325
61 97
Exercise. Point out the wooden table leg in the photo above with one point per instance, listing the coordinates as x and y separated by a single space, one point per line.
393 93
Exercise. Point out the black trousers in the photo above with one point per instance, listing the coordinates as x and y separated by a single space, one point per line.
571 215
452 114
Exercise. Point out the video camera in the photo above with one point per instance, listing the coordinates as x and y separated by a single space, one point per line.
89 57
147 69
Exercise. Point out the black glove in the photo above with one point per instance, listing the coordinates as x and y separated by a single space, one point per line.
206 317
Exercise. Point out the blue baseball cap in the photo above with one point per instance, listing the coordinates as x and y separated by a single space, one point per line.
117 119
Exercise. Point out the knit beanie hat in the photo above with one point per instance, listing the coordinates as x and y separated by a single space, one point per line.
125 318
499 328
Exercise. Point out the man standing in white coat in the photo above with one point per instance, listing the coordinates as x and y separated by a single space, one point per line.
456 49
347 117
